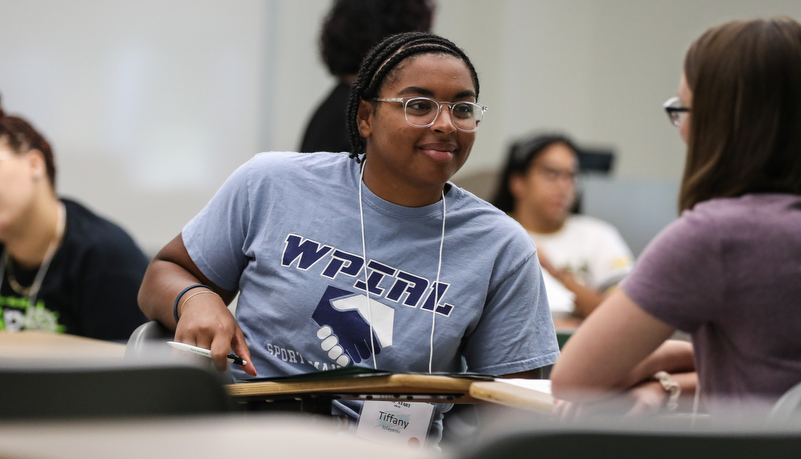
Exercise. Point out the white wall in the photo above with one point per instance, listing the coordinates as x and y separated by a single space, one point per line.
151 104
600 69
148 104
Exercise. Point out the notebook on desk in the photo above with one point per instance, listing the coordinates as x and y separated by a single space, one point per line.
363 383
360 372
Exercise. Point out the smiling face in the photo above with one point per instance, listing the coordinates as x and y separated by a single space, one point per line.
409 165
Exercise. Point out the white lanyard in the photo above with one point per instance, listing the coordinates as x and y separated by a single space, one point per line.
51 251
367 288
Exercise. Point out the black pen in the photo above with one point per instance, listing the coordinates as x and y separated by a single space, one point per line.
233 358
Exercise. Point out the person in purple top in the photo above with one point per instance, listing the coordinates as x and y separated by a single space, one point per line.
728 271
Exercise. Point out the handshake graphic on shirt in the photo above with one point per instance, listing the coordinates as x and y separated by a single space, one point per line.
345 321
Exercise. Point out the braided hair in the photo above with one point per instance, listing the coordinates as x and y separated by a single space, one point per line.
381 61
21 136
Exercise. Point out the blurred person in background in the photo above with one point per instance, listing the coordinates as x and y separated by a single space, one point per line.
583 258
350 30
62 268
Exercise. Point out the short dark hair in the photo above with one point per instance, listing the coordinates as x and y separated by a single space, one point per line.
353 27
382 61
745 119
21 136
518 160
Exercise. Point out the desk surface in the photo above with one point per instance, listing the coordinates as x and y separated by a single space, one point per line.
529 395
38 345
566 322
433 388
195 437
532 398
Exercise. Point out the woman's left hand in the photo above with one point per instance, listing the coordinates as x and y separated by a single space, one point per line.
645 399
648 398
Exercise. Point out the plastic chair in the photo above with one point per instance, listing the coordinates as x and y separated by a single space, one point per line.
144 336
652 446
148 344
620 440
109 390
788 407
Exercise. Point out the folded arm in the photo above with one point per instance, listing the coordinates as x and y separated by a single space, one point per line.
610 351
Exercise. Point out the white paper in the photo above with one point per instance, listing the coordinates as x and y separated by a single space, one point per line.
395 422
540 385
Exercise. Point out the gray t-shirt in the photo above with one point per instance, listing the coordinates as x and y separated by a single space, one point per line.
729 273
285 231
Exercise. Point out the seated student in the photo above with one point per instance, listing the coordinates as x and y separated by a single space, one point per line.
727 271
62 268
583 257
350 29
337 257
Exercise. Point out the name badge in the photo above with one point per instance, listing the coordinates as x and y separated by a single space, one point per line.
395 422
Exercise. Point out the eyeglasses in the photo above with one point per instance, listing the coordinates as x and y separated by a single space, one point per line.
421 112
675 112
553 175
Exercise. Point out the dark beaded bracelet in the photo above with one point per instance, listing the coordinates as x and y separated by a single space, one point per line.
178 298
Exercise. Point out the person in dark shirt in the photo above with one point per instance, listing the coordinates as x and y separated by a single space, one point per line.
350 30
62 268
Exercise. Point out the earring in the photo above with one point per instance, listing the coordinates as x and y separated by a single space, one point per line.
37 176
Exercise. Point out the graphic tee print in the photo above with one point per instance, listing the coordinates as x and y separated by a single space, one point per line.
345 320
285 232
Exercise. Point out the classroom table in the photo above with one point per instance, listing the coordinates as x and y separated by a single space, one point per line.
213 437
566 322
398 386
532 395
315 395
34 345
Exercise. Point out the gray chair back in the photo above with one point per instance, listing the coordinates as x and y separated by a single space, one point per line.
148 343
788 407
622 445
109 390
146 335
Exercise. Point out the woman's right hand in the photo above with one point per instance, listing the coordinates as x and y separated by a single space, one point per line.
206 322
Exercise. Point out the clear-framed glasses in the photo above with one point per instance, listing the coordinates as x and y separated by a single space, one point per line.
554 175
675 111
423 112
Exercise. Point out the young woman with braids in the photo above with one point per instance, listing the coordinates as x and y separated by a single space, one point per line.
62 268
336 257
